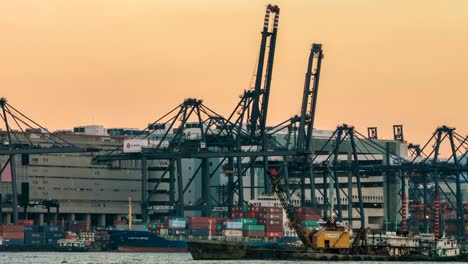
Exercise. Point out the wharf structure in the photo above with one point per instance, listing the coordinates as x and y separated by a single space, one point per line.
99 193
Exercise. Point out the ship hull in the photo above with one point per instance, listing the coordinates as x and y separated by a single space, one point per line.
222 250
217 250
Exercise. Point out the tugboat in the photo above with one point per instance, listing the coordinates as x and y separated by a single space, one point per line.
73 244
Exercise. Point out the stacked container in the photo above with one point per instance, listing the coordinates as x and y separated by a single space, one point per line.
53 234
253 212
34 235
272 218
25 222
12 234
237 212
310 216
77 226
232 229
176 226
202 226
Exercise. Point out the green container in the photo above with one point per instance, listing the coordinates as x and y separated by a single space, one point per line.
246 221
219 227
311 223
254 228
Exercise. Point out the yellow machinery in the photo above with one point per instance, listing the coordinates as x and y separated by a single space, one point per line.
331 237
328 239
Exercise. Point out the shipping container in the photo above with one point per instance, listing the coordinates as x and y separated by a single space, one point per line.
274 228
252 215
233 225
310 217
177 224
232 233
309 210
33 229
270 221
246 221
34 238
254 209
311 223
176 232
55 235
254 227
271 215
247 233
200 219
13 242
198 232
25 222
11 228
271 210
49 228
12 235
274 234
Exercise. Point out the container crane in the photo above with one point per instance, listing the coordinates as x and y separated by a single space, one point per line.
331 238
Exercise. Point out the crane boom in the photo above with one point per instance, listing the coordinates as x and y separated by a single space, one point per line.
278 182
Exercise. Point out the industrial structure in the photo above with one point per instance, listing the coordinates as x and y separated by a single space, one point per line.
194 161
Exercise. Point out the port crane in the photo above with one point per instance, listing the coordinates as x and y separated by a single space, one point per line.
340 244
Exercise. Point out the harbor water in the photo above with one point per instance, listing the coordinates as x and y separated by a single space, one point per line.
123 258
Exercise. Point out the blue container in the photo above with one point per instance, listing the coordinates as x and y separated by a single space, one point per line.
198 232
34 238
13 242
33 229
53 228
52 241
55 235
35 241
233 225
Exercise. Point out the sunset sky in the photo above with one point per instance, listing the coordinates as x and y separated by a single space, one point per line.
123 63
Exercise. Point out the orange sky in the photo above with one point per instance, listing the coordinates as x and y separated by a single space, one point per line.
125 63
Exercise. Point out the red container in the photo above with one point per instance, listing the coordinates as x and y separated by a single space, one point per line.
274 234
270 221
198 219
309 217
12 228
253 233
252 215
13 235
237 215
254 209
274 228
270 216
308 210
26 222
199 226
271 210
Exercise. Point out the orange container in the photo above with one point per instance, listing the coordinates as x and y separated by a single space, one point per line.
13 235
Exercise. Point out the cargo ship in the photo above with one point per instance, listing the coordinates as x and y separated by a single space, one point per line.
145 241
331 241
390 247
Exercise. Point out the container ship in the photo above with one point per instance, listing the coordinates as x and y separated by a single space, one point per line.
144 241
70 236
